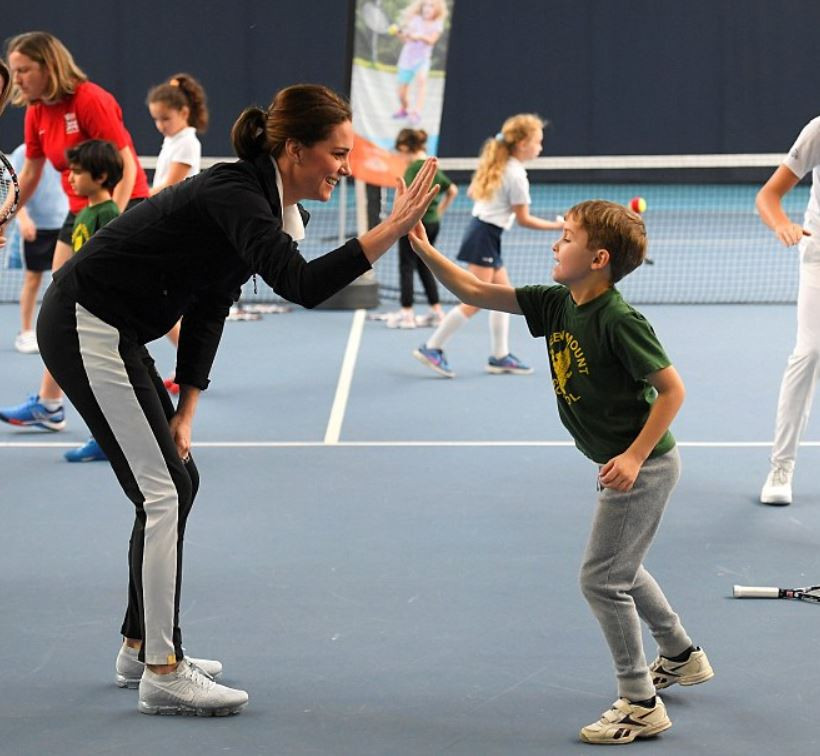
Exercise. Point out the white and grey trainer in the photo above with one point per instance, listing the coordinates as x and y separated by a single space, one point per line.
625 721
188 691
777 490
695 670
129 668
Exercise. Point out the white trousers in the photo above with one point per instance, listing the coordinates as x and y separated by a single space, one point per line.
800 377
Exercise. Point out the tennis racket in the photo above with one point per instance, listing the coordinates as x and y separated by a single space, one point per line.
809 593
375 18
9 189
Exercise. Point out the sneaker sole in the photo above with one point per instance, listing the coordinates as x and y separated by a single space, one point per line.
44 424
127 682
190 711
776 501
512 371
648 732
435 368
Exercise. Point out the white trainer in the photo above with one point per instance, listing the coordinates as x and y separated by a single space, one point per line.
187 690
777 489
695 670
26 342
129 668
625 721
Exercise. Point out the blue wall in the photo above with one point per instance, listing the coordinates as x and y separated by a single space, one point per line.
613 76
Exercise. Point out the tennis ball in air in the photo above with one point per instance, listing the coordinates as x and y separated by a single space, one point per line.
638 204
393 30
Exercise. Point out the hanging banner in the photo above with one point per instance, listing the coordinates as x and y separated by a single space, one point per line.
399 57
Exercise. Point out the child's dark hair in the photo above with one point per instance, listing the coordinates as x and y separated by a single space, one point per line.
99 158
615 228
183 91
413 140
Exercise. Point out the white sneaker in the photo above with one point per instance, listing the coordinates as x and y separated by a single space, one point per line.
408 320
696 669
393 319
26 342
625 721
129 668
187 690
777 489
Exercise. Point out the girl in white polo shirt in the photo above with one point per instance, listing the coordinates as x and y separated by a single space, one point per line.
800 377
501 193
179 110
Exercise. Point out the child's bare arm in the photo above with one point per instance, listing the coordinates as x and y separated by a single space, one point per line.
769 205
462 283
621 472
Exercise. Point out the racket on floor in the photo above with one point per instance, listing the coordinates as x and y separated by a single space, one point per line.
810 593
375 18
9 189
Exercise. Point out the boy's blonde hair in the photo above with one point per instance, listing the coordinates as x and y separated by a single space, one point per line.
414 9
496 152
63 73
615 228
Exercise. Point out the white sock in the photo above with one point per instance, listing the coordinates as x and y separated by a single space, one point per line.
499 334
52 405
453 320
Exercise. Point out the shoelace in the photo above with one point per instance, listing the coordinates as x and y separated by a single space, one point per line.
193 673
780 476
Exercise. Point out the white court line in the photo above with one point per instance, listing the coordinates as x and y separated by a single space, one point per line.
337 412
400 444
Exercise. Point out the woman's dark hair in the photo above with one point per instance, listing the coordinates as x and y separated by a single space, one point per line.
99 158
183 91
304 112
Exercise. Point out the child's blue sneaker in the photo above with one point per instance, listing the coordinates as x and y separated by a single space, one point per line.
435 360
32 413
90 451
509 364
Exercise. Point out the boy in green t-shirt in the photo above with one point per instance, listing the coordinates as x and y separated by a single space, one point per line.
95 169
617 394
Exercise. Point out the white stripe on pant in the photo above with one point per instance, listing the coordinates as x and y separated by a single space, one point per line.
109 382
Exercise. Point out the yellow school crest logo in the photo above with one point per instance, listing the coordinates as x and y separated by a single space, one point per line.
567 359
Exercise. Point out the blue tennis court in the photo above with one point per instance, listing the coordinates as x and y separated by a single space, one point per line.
407 583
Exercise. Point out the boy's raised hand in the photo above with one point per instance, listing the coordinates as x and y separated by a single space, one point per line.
418 236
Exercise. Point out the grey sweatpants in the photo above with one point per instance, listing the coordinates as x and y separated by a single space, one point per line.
618 587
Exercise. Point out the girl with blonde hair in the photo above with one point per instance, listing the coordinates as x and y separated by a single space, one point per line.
501 193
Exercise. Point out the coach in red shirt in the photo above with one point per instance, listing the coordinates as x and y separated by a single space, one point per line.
63 109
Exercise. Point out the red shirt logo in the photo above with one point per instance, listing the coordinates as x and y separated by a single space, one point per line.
71 125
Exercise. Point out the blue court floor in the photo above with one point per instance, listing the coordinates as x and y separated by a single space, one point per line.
389 565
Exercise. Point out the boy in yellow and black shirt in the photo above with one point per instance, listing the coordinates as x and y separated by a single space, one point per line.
617 394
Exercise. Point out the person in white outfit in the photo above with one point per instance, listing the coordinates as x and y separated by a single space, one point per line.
800 377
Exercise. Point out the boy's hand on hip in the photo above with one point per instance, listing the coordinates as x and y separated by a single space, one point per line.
620 472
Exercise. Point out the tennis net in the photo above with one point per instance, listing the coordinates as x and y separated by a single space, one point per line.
706 242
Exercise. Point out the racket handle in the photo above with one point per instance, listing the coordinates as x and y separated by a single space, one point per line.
755 591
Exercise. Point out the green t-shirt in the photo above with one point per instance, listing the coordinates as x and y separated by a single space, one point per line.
431 216
90 220
600 354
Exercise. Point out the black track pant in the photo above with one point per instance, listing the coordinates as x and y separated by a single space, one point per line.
409 263
112 382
